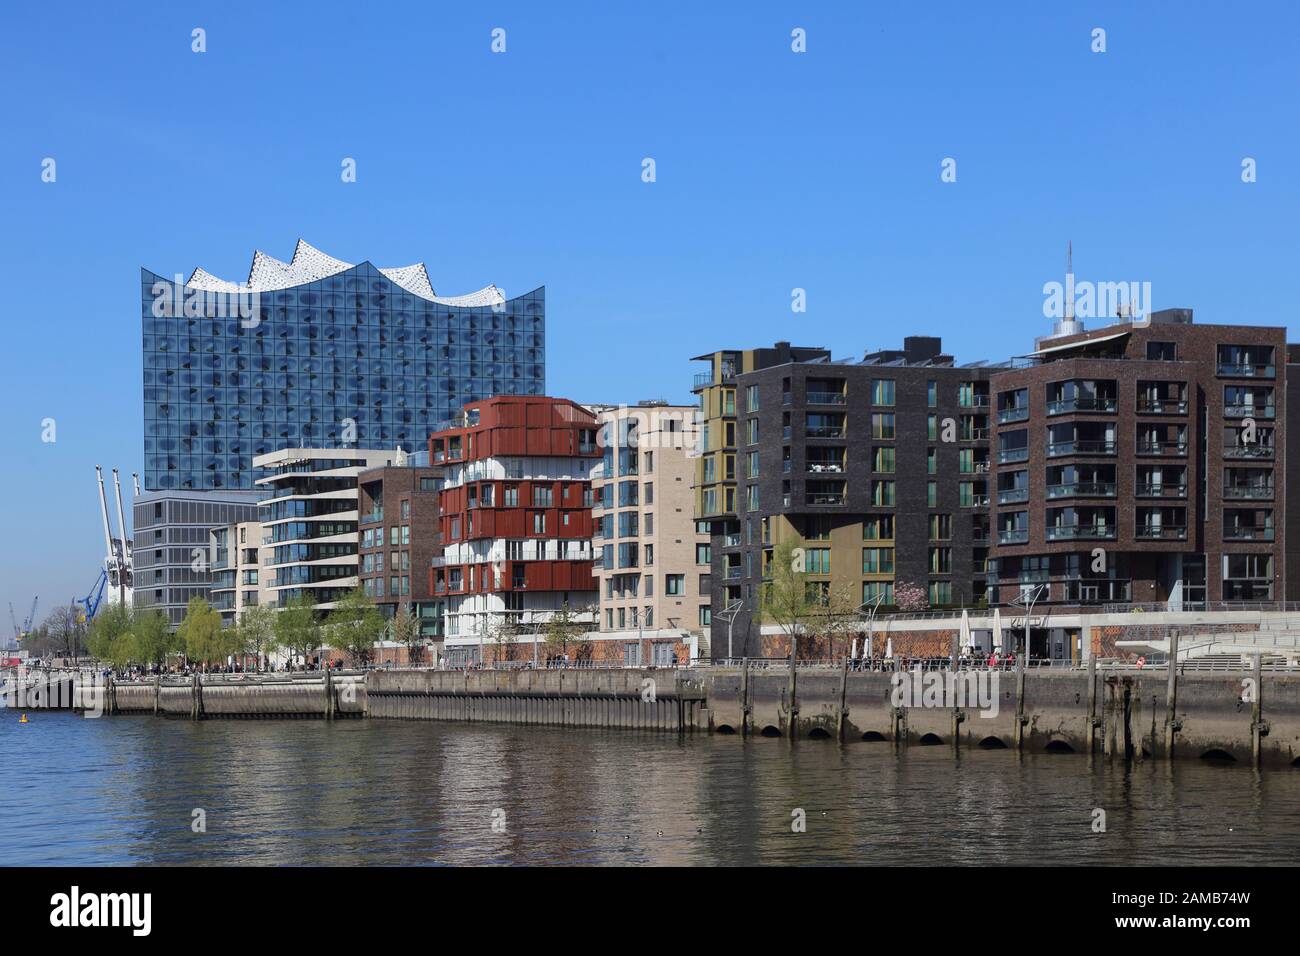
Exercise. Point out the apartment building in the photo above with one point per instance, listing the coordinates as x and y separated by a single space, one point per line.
653 556
877 469
1144 462
238 580
309 514
515 522
171 541
399 539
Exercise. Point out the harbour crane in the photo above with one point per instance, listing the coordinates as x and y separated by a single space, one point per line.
31 615
116 569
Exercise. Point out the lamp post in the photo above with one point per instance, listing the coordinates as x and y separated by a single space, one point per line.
729 614
871 618
1027 600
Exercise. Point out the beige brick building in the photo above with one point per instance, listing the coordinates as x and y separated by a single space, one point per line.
652 557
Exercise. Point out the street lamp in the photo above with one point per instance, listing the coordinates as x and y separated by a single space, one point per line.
1027 600
729 614
871 618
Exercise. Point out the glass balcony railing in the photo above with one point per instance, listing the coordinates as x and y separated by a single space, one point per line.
1247 533
826 398
1240 410
1079 447
1066 532
824 499
1162 406
1013 537
1062 406
1248 451
1248 492
1161 447
1161 490
1011 496
1082 489
1247 369
824 431
1012 454
1165 532
1014 413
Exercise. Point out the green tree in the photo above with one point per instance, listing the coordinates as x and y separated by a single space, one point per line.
295 628
406 631
108 627
201 633
563 626
784 597
257 632
354 625
152 637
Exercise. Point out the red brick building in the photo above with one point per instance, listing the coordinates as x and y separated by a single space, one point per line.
515 523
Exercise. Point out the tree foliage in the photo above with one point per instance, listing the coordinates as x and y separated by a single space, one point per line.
784 598
295 628
201 634
564 625
256 635
405 628
354 625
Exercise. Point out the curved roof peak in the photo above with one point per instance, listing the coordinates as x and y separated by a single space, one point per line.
309 264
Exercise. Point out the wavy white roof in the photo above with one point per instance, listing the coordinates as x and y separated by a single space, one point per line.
309 264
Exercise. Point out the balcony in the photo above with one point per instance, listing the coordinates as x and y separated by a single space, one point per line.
1247 369
1015 413
1082 489
976 501
1248 451
824 431
824 499
1249 410
1162 406
825 468
826 398
1167 532
1247 533
1063 406
1007 455
1011 496
973 434
731 541
1248 492
1168 448
1074 532
1078 447
1162 490
1019 536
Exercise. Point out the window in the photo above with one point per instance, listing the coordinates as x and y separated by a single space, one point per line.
817 561
878 528
941 560
703 553
940 592
882 391
649 492
751 431
932 494
882 493
752 459
674 584
751 398
428 484
539 522
706 615
932 427
541 496
510 496
406 509
932 393
877 560
940 527
882 426
1162 351
649 463
882 460
932 461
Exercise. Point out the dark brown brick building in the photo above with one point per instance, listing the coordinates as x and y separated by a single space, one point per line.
1143 462
399 538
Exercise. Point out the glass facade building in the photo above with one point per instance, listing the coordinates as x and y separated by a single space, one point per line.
318 353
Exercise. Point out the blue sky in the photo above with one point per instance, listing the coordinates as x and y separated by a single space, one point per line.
775 170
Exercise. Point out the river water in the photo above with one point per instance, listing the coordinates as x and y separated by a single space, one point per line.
124 790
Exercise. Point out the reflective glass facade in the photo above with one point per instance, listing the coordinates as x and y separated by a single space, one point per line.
350 359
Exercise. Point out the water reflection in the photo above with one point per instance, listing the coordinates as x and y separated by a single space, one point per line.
123 790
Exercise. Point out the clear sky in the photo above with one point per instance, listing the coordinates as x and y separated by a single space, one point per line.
775 170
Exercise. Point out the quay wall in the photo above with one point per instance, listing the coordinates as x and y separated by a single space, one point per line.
1250 717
